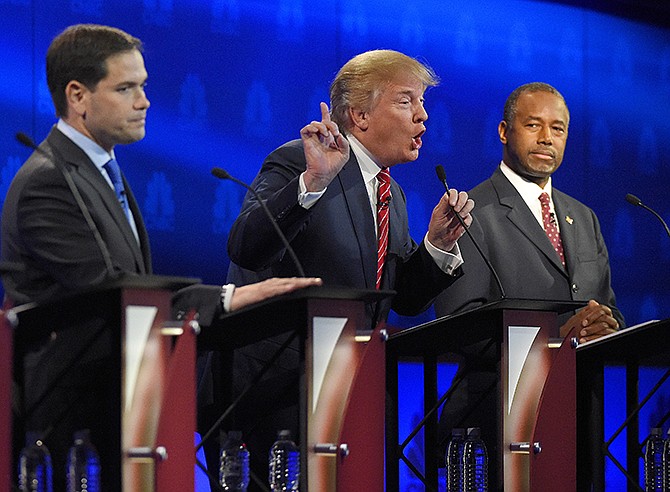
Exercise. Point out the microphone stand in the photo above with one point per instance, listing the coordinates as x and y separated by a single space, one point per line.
222 174
441 175
633 200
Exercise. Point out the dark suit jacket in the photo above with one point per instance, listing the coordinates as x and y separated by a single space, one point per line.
523 257
48 249
335 239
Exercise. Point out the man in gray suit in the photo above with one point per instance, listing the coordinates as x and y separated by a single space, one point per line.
553 251
509 225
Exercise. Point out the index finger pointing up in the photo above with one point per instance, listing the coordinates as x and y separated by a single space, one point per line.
325 113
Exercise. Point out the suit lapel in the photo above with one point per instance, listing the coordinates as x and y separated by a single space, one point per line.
80 165
396 233
521 216
564 216
358 206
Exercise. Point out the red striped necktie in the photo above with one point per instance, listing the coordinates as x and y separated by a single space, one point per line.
383 199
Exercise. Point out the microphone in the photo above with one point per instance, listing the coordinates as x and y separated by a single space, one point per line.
442 176
633 200
222 174
58 162
385 203
27 141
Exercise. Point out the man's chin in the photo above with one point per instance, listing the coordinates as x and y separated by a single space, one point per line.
412 156
133 137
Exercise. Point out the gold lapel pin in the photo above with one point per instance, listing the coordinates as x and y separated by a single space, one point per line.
569 219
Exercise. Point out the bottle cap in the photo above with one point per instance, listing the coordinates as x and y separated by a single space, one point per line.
458 432
231 439
33 437
235 435
474 432
82 435
284 434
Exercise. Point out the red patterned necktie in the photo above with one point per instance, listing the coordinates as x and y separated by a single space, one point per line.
550 227
383 199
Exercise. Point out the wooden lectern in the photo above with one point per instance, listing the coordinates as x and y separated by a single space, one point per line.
341 394
136 372
510 383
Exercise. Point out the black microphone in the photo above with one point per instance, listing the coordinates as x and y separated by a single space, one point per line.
385 203
633 200
222 174
58 161
442 176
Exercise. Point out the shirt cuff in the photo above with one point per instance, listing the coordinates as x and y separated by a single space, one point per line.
307 199
447 261
227 296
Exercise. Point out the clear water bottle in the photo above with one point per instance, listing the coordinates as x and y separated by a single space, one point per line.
666 462
233 462
284 463
454 460
83 464
475 462
35 469
653 462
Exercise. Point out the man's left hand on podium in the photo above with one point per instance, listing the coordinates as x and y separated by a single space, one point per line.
593 321
246 295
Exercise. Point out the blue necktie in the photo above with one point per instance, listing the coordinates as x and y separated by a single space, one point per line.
114 173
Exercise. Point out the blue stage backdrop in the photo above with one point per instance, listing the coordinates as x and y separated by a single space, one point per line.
230 80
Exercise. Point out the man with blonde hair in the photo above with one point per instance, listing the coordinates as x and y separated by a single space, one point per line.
331 194
323 190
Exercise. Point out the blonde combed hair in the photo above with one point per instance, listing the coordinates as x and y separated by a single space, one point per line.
362 79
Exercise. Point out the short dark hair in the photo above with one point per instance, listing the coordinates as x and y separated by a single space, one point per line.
80 53
511 104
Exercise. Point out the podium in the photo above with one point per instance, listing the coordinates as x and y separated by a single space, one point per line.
341 380
515 380
112 360
636 353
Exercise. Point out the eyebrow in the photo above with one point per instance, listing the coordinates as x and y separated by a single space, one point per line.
409 92
132 82
538 118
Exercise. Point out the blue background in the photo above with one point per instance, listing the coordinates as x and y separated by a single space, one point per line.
230 80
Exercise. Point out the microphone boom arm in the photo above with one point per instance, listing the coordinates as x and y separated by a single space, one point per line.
443 179
633 200
223 174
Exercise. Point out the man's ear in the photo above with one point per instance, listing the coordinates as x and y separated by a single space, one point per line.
502 131
359 118
76 95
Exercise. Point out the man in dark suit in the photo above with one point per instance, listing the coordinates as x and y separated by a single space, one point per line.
70 222
324 195
521 240
508 224
323 192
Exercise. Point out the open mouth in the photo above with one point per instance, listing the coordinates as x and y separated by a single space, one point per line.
416 141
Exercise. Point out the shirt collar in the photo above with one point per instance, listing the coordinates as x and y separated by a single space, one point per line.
97 154
528 190
369 168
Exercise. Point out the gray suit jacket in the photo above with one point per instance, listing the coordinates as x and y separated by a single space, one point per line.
48 248
523 257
